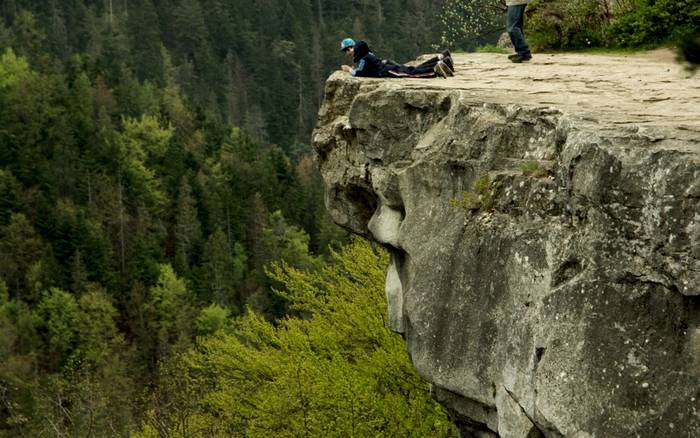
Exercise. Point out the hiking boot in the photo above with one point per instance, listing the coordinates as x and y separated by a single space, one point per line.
520 58
448 62
442 70
450 72
513 55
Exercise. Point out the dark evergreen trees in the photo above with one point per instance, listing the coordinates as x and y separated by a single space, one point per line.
154 163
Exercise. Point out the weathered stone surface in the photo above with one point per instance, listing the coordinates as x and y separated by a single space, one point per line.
565 299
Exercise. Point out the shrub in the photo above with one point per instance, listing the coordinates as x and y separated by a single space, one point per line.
532 168
478 199
653 22
562 24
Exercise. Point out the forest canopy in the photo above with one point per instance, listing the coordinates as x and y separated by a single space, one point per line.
154 169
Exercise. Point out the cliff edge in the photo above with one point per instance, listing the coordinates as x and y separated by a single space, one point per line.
543 222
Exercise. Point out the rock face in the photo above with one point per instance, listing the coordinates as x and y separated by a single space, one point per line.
543 222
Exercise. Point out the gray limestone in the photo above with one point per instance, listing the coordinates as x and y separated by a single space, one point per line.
563 299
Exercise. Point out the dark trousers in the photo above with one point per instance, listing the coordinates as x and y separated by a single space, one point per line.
424 70
515 19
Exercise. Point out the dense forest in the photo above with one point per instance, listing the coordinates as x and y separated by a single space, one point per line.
259 65
167 267
158 205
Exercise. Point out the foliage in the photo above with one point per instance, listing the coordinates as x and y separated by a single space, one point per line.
211 319
650 22
465 23
12 69
335 370
155 165
532 168
130 222
559 24
577 24
171 305
480 198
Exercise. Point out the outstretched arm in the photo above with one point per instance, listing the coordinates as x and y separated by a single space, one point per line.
357 71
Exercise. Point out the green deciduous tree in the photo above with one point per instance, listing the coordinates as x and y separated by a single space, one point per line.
96 328
171 311
211 319
336 371
12 69
59 313
18 364
142 142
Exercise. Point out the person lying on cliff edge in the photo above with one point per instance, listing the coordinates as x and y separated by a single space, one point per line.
515 26
367 64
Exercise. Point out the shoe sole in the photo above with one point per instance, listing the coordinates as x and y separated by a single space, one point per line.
449 63
447 69
440 70
520 60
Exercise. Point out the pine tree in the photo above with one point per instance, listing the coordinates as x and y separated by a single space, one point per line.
188 231
20 247
145 41
224 267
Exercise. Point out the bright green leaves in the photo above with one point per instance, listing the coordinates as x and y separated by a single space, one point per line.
211 319
82 328
146 137
59 312
142 142
12 69
334 370
96 327
170 309
170 299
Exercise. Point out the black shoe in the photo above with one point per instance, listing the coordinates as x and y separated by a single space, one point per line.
448 62
514 55
442 70
520 58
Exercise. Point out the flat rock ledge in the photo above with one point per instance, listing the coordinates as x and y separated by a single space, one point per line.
543 222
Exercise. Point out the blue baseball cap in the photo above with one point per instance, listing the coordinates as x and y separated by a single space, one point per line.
346 44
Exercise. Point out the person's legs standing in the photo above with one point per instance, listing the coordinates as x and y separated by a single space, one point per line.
515 19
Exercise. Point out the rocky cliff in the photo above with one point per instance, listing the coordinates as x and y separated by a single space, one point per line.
543 222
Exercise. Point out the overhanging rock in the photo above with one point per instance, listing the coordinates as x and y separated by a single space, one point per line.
543 222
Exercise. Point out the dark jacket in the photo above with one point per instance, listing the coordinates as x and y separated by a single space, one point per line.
366 63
